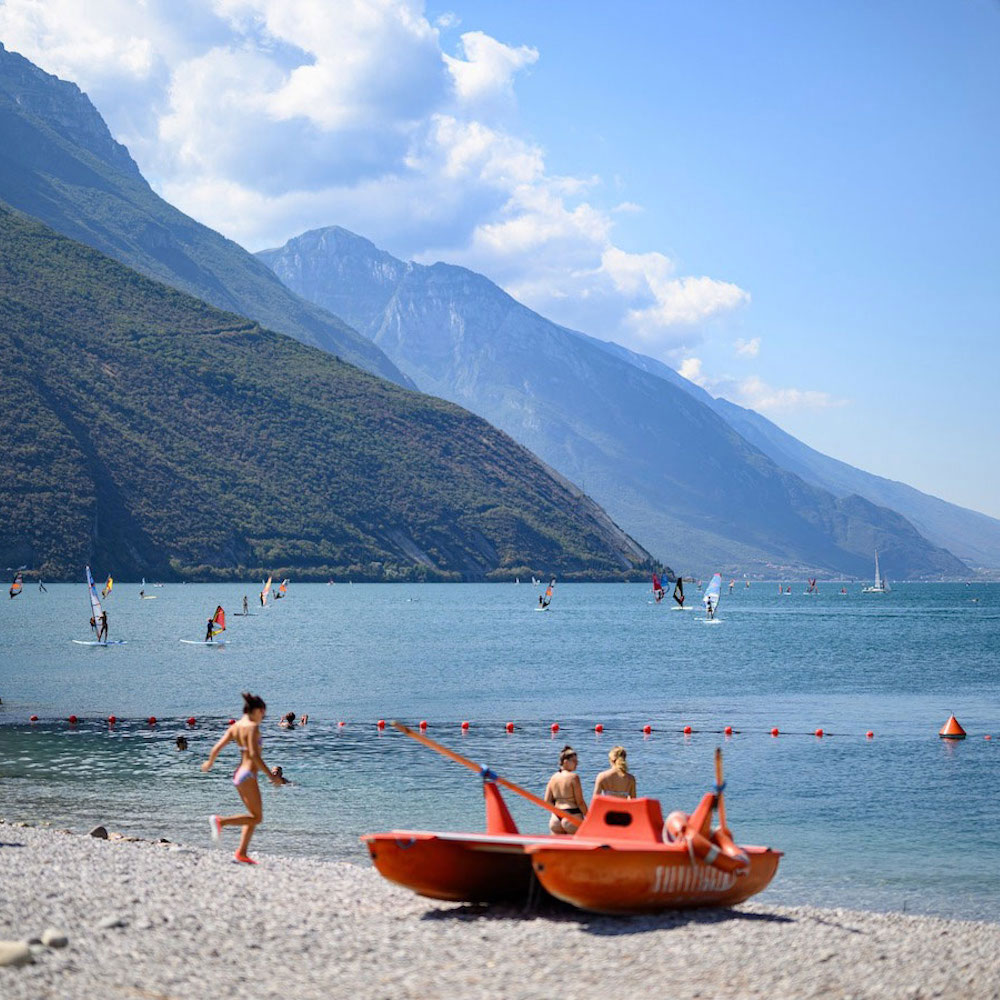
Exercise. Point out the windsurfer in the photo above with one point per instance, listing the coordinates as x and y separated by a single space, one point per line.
262 598
246 734
42 589
208 630
102 627
565 792
616 780
679 592
246 610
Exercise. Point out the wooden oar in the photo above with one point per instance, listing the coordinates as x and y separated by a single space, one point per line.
473 766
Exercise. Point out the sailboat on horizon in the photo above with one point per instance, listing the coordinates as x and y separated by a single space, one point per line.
881 585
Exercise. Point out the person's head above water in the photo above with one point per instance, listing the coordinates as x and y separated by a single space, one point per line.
182 743
290 716
567 758
254 706
618 758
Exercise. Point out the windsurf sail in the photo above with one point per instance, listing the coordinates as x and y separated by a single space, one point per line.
548 594
96 611
107 586
679 591
711 595
218 621
812 586
658 586
15 587
283 588
265 592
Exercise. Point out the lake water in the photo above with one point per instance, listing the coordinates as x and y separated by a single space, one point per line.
901 821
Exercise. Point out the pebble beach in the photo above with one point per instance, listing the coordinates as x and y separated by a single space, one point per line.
129 918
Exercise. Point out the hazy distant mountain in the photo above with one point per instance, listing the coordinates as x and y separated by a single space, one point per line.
59 163
973 537
666 466
150 434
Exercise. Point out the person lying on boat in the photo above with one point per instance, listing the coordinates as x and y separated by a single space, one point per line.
565 792
616 780
287 721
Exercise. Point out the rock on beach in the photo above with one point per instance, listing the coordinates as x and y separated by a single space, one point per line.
195 924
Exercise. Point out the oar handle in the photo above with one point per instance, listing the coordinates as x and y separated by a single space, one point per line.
719 786
473 766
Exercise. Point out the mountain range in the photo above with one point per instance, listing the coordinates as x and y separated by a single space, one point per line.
668 464
59 163
151 434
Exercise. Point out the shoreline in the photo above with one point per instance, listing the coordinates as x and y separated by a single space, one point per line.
170 921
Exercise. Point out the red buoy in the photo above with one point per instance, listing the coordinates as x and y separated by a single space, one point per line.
728 731
380 723
152 720
191 720
34 718
647 729
232 722
819 733
554 727
111 720
687 730
423 723
987 737
72 720
951 730
340 725
869 735
509 727
598 728
774 732
465 725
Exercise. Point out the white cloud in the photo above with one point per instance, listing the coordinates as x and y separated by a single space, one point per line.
489 67
747 348
263 118
753 392
690 368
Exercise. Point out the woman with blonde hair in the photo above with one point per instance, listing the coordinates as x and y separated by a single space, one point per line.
616 780
565 792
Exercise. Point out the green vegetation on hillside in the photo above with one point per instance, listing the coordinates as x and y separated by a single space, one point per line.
151 434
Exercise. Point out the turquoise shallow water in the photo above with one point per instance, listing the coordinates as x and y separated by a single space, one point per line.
903 821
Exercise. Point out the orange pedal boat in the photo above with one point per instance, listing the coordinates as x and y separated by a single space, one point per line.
622 859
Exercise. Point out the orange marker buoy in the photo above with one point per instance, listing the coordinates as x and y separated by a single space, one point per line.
380 724
728 731
72 720
869 735
191 720
987 737
554 728
819 733
687 730
152 720
774 731
598 728
647 729
423 723
951 730
340 725
509 727
33 718
465 725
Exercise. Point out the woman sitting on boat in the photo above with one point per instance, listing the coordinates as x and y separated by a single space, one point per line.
616 780
565 792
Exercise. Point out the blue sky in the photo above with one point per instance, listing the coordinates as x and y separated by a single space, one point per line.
794 204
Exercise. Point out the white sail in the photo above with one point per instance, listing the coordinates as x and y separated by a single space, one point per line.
712 591
878 575
96 611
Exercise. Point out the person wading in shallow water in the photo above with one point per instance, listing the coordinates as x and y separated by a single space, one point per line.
246 734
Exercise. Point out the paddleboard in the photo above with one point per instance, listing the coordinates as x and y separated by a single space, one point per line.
686 607
148 597
541 609
713 621
242 614
203 642
94 642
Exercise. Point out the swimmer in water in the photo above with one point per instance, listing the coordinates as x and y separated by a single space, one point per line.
246 734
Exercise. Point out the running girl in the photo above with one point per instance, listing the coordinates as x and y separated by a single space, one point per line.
246 734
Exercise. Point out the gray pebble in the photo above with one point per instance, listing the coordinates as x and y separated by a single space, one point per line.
100 832
52 938
109 922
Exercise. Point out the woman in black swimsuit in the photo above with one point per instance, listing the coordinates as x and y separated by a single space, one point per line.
565 792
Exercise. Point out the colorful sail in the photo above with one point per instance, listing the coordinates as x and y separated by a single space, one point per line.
96 611
712 592
218 621
265 592
107 586
15 587
657 585
679 591
283 588
812 586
